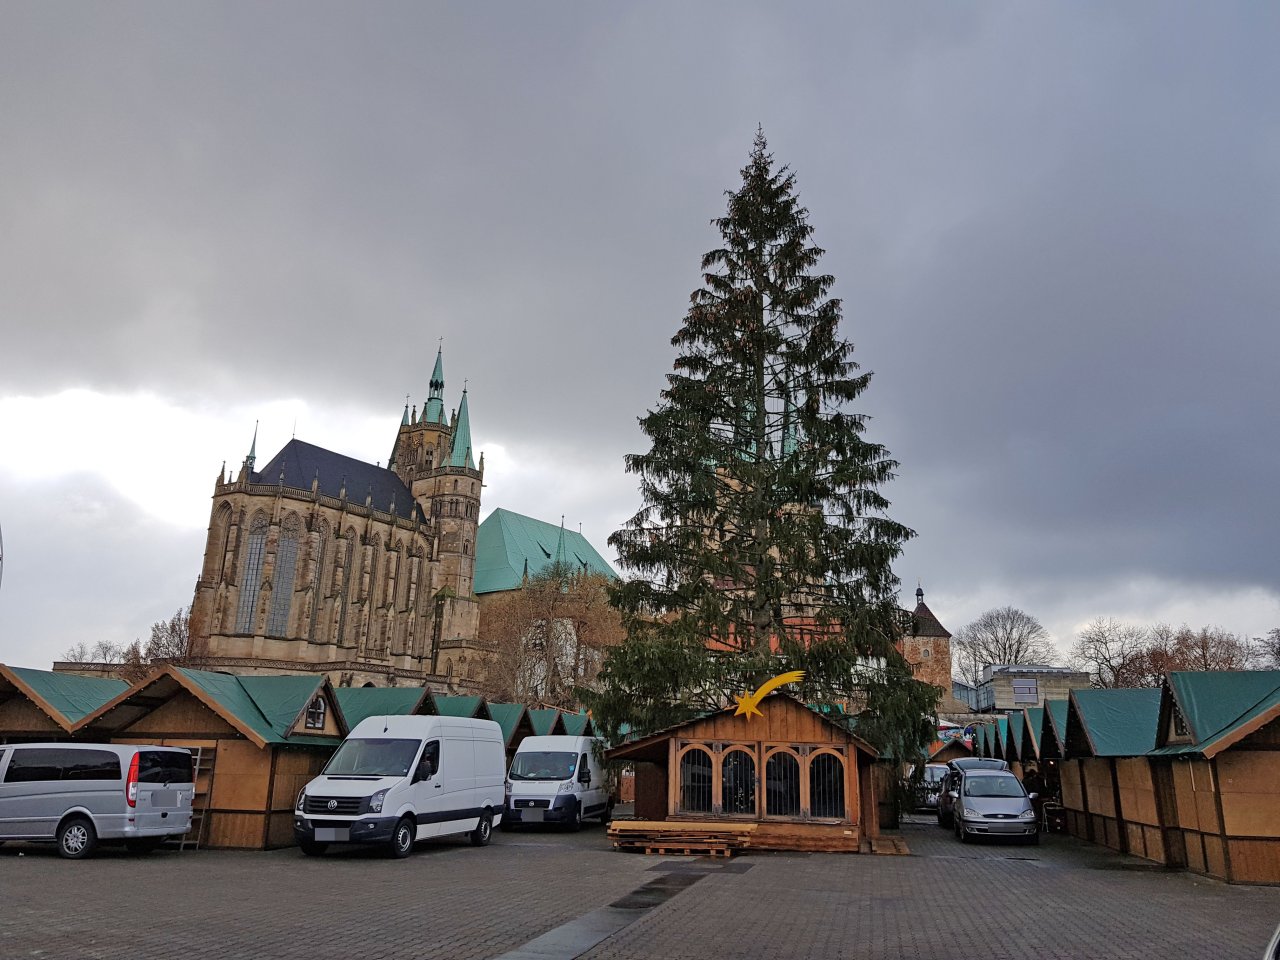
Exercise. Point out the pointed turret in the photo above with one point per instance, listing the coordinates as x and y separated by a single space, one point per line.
246 469
461 455
433 409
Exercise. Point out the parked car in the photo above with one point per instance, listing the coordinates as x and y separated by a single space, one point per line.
396 780
929 786
556 780
78 795
993 803
952 782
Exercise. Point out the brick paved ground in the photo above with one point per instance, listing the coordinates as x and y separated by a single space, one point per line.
1062 899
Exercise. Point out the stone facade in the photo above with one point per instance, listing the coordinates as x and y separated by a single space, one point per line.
926 645
322 563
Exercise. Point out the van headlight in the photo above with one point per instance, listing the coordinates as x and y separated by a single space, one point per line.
302 798
375 802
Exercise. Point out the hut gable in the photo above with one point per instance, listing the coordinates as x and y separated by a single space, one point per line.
62 698
514 721
1203 713
1053 729
463 707
21 717
360 703
1013 739
1112 723
1034 722
578 725
181 714
297 706
546 722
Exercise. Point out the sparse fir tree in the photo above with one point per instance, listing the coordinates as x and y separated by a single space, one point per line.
762 543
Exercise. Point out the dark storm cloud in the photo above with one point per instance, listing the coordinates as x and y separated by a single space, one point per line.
1054 227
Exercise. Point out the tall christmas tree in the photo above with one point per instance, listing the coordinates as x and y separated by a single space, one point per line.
763 542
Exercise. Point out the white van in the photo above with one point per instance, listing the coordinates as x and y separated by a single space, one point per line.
78 794
395 780
557 780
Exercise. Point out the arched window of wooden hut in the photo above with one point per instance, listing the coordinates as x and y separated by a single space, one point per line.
782 785
738 782
695 781
826 786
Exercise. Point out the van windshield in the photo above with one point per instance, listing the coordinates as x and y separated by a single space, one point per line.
539 765
372 758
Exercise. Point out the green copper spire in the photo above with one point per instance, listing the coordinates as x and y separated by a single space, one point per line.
461 456
253 449
433 409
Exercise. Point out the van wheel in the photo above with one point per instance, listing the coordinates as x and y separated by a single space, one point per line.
313 849
402 839
143 846
574 823
607 817
483 832
76 839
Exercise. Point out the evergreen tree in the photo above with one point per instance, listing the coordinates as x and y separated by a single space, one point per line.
762 543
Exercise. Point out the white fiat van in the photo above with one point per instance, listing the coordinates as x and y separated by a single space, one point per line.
557 780
395 780
79 794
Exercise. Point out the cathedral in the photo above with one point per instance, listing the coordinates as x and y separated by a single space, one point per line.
323 563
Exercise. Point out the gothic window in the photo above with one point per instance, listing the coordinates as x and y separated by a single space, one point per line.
317 585
316 713
455 486
216 550
431 458
251 573
351 585
466 548
282 585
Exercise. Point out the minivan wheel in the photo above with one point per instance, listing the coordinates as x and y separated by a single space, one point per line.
402 839
481 835
311 848
76 839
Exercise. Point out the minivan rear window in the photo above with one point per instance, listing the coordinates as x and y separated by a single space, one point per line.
44 764
164 766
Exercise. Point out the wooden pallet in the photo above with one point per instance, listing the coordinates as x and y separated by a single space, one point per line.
679 838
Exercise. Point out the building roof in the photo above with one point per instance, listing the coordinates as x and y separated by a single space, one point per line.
1013 742
923 622
1221 707
64 697
545 721
511 546
460 456
1116 723
360 703
508 716
1001 732
578 725
1035 720
1055 721
462 707
303 462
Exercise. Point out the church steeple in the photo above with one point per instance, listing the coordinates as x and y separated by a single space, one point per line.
433 409
461 454
246 471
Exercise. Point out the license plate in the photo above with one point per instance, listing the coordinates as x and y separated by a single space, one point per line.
332 834
531 816
164 798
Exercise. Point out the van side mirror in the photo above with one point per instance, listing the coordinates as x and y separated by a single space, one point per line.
584 778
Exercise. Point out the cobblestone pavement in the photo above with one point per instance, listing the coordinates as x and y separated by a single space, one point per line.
533 892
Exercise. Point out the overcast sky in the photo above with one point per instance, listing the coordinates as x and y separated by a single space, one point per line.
1055 228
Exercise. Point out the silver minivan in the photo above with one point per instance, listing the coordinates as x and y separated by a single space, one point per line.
78 794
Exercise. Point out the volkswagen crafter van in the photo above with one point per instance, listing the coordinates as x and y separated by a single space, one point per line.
557 780
78 795
396 780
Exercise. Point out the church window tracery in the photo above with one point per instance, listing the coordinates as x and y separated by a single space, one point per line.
282 583
251 573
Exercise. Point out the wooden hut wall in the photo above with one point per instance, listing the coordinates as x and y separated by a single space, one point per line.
1197 811
1139 811
1247 775
1100 790
21 720
1073 798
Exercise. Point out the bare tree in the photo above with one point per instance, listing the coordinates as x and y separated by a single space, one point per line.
1003 635
1267 650
1114 653
168 643
548 639
170 639
1210 648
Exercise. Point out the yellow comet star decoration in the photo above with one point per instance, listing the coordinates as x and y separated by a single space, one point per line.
747 704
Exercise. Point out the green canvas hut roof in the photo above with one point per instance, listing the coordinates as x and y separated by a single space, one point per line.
267 705
508 717
360 703
1031 734
462 707
1001 733
1013 740
1055 724
545 721
1117 723
578 725
510 546
980 739
65 697
1221 706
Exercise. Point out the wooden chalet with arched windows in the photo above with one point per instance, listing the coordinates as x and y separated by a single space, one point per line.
792 779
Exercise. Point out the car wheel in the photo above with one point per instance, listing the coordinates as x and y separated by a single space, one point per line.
312 849
76 839
402 838
483 832
143 846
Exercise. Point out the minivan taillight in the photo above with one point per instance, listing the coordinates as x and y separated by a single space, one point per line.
131 785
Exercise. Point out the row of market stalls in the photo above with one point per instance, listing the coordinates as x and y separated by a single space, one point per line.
256 741
1187 775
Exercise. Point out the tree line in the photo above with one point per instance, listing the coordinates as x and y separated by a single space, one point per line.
168 642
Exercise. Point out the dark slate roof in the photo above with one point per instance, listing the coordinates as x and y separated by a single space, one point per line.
925 624
302 462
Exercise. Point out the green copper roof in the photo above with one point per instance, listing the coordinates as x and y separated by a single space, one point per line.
461 453
544 722
509 545
433 409
462 707
1118 723
359 703
508 717
70 695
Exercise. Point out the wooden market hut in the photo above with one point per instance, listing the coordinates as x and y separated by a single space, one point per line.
1106 785
514 720
1215 770
37 705
793 779
360 703
1013 743
999 733
578 724
1032 721
946 750
463 707
256 742
547 722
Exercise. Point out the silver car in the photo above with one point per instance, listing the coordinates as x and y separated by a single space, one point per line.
77 794
993 803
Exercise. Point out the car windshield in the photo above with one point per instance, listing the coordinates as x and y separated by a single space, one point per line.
540 765
372 758
993 787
